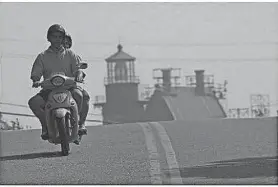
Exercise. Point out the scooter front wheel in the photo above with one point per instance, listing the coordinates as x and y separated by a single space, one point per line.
61 122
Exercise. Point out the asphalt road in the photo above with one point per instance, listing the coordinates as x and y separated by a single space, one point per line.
204 152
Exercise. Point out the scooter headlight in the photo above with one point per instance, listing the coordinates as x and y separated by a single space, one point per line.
60 97
57 81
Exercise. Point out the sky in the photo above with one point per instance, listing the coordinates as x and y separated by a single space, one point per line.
237 42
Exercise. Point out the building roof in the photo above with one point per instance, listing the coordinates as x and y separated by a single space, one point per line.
120 55
185 105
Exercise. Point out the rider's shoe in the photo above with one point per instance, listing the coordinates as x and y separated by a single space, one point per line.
76 142
82 130
44 136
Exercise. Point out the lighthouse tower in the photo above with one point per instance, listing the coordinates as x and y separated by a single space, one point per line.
121 87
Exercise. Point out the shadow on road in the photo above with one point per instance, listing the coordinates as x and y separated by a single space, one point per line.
236 168
31 156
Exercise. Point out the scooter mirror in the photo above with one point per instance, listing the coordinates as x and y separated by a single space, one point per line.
82 65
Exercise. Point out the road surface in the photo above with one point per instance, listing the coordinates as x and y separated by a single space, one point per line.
178 152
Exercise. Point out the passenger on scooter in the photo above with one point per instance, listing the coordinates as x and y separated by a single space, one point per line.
54 59
86 97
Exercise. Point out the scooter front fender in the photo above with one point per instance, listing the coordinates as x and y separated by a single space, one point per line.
60 112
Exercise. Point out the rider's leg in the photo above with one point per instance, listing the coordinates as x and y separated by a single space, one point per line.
36 104
77 95
85 107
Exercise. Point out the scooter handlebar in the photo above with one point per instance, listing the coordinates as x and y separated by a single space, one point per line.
47 82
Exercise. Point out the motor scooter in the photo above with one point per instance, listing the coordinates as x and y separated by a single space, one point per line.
61 111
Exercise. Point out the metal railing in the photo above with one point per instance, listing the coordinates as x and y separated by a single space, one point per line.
113 80
190 80
28 115
99 99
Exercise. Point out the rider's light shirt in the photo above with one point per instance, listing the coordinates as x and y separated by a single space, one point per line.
49 61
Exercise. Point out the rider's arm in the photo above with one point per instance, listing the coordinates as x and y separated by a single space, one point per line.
37 69
74 65
80 60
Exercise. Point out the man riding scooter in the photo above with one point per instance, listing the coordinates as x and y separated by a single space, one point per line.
55 59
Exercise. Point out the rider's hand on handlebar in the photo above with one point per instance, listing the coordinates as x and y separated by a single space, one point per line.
79 77
36 84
